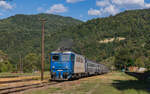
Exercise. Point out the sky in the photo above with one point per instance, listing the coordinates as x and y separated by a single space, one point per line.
80 9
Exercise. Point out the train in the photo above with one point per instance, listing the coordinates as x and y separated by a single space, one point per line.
68 65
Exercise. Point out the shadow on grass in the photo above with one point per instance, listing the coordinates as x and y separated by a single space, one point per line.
142 83
132 84
140 76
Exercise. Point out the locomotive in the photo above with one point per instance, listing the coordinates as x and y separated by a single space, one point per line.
67 65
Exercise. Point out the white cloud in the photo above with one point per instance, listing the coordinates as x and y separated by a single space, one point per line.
73 1
57 8
128 2
5 5
94 12
111 9
102 3
131 4
147 5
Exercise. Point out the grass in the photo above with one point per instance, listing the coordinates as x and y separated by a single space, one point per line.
112 83
82 89
48 91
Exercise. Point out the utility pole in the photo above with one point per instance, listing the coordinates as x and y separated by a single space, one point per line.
42 52
20 69
22 65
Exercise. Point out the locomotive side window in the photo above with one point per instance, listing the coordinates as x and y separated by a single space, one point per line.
55 58
72 57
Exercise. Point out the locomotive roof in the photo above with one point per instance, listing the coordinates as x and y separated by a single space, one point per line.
65 52
57 52
92 61
69 52
95 62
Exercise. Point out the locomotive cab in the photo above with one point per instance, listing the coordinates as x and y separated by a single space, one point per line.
61 65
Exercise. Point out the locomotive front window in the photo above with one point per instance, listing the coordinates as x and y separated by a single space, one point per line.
55 58
65 57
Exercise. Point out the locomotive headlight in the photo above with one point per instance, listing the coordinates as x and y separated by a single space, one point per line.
53 67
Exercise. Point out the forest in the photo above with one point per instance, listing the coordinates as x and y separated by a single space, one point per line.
121 41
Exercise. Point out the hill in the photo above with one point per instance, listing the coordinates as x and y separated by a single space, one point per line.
120 39
132 26
21 34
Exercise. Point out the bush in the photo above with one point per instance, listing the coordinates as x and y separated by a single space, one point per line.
6 66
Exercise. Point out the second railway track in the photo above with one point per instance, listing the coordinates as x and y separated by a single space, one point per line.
17 89
14 81
20 79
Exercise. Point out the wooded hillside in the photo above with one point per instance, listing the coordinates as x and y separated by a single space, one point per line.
20 35
121 39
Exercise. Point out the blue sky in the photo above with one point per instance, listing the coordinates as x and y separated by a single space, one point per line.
79 9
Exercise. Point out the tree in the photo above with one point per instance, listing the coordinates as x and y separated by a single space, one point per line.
123 59
139 62
5 65
147 63
31 62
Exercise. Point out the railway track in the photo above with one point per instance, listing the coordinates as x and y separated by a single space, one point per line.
9 76
17 89
28 86
14 81
16 76
20 79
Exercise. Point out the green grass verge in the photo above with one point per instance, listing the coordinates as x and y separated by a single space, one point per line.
113 83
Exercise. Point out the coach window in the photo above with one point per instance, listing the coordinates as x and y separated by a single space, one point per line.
55 58
78 59
81 60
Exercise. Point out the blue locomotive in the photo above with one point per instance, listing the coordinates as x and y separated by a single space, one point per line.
65 65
